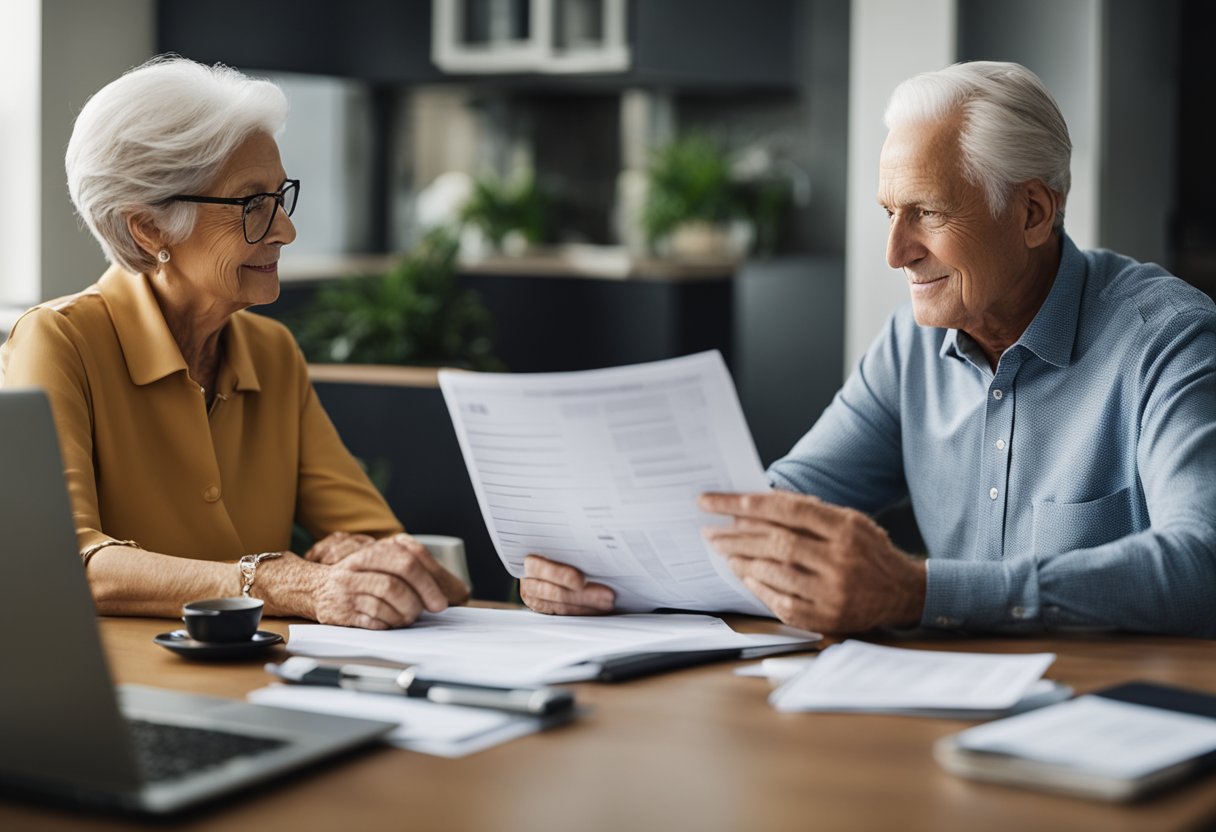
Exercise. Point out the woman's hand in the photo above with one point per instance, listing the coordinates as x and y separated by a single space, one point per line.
557 589
379 584
337 545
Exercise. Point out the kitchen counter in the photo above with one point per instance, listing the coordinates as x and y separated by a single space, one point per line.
566 261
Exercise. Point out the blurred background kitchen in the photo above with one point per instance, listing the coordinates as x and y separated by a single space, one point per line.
538 185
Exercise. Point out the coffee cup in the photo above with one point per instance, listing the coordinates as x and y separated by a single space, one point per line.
223 620
449 552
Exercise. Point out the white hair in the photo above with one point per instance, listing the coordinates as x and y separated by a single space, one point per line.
162 129
1012 129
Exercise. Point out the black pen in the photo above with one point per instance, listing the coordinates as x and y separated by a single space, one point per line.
533 701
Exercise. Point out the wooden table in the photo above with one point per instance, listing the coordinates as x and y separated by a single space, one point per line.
698 749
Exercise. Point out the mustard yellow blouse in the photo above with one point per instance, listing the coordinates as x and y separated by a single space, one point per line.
145 459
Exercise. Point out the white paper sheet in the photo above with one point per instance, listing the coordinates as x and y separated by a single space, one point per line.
1093 734
857 676
601 470
442 730
520 647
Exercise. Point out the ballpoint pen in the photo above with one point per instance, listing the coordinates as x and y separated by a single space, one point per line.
533 701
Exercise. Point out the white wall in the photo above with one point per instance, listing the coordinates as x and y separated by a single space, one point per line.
890 40
53 55
1063 44
20 55
85 45
324 145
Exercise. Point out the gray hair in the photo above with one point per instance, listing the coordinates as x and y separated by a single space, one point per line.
1012 128
162 129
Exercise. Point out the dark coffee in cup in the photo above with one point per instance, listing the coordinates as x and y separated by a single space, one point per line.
222 620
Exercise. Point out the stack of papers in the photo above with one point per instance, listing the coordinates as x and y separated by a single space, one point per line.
442 730
1114 744
520 647
1119 740
859 677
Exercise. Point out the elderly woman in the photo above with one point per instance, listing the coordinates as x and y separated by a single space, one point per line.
191 435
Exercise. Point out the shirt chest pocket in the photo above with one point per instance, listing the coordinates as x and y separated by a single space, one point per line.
1062 527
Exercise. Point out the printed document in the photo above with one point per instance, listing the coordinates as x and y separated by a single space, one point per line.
521 647
601 470
858 676
426 727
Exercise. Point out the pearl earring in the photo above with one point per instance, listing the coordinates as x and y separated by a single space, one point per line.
163 255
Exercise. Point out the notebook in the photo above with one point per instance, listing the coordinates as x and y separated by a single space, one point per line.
1115 744
68 733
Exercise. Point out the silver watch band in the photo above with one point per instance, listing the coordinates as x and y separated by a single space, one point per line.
249 569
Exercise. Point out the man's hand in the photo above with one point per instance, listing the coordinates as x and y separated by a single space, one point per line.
557 589
815 565
382 584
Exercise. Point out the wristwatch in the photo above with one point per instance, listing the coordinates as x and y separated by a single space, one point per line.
249 569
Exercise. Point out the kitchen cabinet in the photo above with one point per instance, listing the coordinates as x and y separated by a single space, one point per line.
542 36
696 45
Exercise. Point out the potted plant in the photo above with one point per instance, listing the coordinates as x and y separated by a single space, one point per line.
510 215
691 201
414 314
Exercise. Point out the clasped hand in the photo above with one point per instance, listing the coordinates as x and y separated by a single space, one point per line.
815 565
379 584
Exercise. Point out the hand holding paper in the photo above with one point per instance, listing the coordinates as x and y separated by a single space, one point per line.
560 589
816 565
601 470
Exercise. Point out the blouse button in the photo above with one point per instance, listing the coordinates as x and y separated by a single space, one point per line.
211 494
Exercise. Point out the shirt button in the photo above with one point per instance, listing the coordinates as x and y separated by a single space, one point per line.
943 621
1000 444
211 493
992 493
998 394
1018 612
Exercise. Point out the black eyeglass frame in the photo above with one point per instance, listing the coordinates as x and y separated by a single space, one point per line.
279 198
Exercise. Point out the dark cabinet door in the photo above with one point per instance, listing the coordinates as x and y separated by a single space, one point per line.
384 41
682 44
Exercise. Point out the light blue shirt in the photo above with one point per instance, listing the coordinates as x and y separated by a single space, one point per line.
1075 486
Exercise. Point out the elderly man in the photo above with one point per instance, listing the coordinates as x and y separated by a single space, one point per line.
1050 412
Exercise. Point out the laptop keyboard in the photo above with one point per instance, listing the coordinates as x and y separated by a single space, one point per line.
166 752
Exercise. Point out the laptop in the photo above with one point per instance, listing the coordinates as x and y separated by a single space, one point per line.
67 732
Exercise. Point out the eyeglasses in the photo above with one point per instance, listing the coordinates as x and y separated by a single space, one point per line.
259 209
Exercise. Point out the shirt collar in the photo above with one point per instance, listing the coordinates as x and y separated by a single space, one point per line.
1053 330
147 344
237 371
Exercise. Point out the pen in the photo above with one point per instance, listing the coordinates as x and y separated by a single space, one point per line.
533 701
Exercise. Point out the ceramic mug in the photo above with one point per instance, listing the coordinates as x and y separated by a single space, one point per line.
223 620
449 552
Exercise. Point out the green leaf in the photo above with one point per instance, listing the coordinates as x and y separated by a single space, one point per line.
414 314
